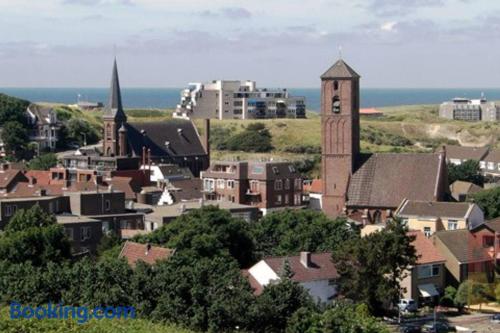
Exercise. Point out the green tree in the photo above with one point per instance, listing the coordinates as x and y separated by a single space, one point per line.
489 201
78 130
468 171
207 232
255 138
448 298
370 268
15 138
33 235
43 162
12 109
291 231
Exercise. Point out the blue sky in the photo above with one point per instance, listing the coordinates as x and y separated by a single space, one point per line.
279 43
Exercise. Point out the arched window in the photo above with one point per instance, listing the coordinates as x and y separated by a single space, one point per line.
108 132
336 104
335 85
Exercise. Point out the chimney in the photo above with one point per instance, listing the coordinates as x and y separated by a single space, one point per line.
148 248
305 259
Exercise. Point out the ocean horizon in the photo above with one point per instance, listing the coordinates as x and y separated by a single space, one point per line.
168 98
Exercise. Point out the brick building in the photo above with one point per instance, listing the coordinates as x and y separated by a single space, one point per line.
267 185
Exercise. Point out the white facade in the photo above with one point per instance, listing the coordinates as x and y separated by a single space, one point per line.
237 100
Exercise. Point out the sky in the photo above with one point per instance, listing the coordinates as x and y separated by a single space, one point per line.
278 43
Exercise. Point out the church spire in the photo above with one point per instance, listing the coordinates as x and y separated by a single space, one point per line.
114 108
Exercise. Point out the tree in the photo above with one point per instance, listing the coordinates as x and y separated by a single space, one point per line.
370 268
291 231
43 162
471 292
207 232
79 130
489 201
255 138
12 109
15 138
448 298
468 171
33 235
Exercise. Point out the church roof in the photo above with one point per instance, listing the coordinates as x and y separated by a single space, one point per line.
340 70
114 109
384 180
181 135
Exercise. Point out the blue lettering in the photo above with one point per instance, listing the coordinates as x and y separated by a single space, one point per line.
40 312
28 312
15 311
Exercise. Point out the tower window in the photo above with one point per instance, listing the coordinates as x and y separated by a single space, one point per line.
335 85
336 104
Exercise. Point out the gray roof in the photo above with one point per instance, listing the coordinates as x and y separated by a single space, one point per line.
435 209
384 180
463 245
493 156
466 153
187 189
340 70
114 109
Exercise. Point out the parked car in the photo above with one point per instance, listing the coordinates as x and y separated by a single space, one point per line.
410 328
407 305
495 319
438 327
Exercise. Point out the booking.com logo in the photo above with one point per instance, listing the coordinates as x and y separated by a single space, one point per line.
82 314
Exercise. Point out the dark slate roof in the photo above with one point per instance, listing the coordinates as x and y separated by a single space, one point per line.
340 70
384 180
41 112
463 245
182 136
466 153
187 189
435 209
114 109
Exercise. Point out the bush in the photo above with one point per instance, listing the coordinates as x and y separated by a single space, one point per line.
255 138
43 162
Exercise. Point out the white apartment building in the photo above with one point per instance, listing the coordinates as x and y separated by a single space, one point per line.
238 100
470 110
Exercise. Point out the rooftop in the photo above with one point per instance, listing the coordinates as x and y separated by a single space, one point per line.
150 254
435 209
426 251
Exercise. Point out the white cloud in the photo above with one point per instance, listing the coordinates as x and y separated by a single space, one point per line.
389 26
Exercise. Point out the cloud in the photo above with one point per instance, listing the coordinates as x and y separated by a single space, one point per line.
228 12
388 26
400 7
98 2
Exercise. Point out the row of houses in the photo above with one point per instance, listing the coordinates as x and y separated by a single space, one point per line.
488 158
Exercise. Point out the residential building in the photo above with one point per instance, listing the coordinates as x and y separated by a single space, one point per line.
367 187
313 271
490 165
470 110
459 154
84 233
9 178
460 190
430 217
313 191
162 172
44 126
267 185
469 254
425 281
181 190
238 100
147 253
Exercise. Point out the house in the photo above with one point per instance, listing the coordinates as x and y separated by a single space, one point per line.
458 154
460 190
84 233
367 187
270 186
162 172
9 178
181 190
370 113
490 165
313 271
44 126
313 191
150 254
425 281
469 254
161 215
430 217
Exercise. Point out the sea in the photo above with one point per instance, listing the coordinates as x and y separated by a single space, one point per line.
161 98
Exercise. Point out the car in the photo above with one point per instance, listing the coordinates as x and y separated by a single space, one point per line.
495 319
407 305
410 328
438 327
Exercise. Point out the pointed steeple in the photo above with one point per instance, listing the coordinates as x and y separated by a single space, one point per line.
114 109
340 70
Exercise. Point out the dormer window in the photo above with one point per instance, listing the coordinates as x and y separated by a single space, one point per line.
336 104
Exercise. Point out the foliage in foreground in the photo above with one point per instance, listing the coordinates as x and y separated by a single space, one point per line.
468 171
489 202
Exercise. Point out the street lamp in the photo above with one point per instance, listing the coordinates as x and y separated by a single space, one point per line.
84 139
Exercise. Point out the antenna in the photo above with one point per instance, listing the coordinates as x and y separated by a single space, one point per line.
340 52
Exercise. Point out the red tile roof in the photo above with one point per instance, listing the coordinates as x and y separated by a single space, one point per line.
370 111
316 186
7 177
322 267
135 251
42 177
426 251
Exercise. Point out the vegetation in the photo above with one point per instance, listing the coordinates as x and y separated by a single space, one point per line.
468 171
471 292
489 201
12 109
43 162
254 138
15 139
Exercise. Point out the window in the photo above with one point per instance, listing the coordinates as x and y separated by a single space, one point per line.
254 186
482 165
335 85
69 233
107 205
287 184
230 184
278 185
291 168
108 132
428 271
488 241
286 199
10 210
208 185
297 200
275 170
278 199
84 233
298 184
220 183
491 166
427 232
336 104
452 224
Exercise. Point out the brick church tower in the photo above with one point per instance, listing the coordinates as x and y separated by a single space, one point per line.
340 134
114 117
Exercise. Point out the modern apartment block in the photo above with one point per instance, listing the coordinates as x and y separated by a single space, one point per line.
267 185
238 100
470 110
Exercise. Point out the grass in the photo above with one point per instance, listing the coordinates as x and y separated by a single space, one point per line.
8 325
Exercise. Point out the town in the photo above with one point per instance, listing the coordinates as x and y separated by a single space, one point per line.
142 214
